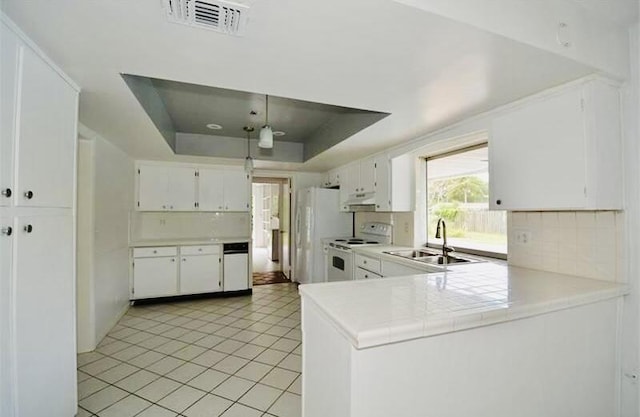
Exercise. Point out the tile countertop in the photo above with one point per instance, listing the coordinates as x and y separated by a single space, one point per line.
378 251
376 312
186 242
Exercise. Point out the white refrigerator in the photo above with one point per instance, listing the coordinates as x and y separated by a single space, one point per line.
317 217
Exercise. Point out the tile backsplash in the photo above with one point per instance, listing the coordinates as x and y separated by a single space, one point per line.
584 243
188 225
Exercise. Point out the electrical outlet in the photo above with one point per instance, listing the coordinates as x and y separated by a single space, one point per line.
406 227
163 222
523 236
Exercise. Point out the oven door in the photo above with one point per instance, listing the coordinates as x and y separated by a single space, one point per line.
339 265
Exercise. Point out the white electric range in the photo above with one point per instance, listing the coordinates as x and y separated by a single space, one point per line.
339 257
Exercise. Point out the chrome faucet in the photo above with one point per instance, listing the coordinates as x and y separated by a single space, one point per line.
445 248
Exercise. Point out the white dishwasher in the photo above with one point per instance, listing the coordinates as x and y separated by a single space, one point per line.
236 266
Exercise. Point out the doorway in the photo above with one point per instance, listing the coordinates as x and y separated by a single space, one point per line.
271 220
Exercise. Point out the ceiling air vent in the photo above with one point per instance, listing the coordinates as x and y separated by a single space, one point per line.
221 16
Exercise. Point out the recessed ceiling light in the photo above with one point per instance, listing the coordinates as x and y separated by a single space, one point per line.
278 133
214 126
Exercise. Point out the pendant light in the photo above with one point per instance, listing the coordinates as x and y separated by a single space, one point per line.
266 134
248 161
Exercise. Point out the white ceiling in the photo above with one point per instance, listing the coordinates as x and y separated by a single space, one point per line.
427 71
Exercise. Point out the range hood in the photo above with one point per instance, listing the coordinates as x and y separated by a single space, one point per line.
362 201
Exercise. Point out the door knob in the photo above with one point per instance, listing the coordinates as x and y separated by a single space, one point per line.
28 195
28 228
6 192
7 231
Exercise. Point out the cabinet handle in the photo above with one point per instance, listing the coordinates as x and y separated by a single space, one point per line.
184 259
171 207
173 259
199 249
226 208
364 262
28 195
366 276
28 228
155 251
498 202
6 192
7 231
164 207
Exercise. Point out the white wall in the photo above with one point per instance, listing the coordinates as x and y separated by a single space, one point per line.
86 335
106 177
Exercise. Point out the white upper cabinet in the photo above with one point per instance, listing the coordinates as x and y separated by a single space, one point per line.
559 152
210 189
368 175
360 177
9 51
46 134
224 189
166 188
237 191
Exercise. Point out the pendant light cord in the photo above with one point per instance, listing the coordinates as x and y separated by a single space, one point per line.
266 113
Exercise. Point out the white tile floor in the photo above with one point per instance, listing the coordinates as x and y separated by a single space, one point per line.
225 357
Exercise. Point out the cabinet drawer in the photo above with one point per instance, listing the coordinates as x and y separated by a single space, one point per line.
364 274
200 250
370 264
155 252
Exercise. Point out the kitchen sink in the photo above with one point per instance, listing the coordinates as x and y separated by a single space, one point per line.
442 260
413 254
431 256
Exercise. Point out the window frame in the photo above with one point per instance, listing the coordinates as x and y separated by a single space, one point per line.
470 251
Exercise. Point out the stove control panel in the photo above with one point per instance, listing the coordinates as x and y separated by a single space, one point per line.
376 229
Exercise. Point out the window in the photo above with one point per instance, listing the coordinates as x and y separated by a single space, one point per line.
458 193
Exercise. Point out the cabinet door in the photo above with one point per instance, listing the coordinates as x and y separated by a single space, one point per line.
44 316
236 272
200 274
383 183
48 111
181 188
368 175
211 189
9 56
153 186
353 179
537 155
236 190
155 277
6 256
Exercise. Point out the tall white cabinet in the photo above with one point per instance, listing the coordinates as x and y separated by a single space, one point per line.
38 139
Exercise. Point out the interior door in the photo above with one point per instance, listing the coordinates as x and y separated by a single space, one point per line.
44 322
285 227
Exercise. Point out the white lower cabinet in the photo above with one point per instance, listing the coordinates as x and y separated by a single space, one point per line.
155 277
364 274
200 269
43 324
393 269
167 271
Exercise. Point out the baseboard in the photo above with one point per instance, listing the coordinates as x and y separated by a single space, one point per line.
224 294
